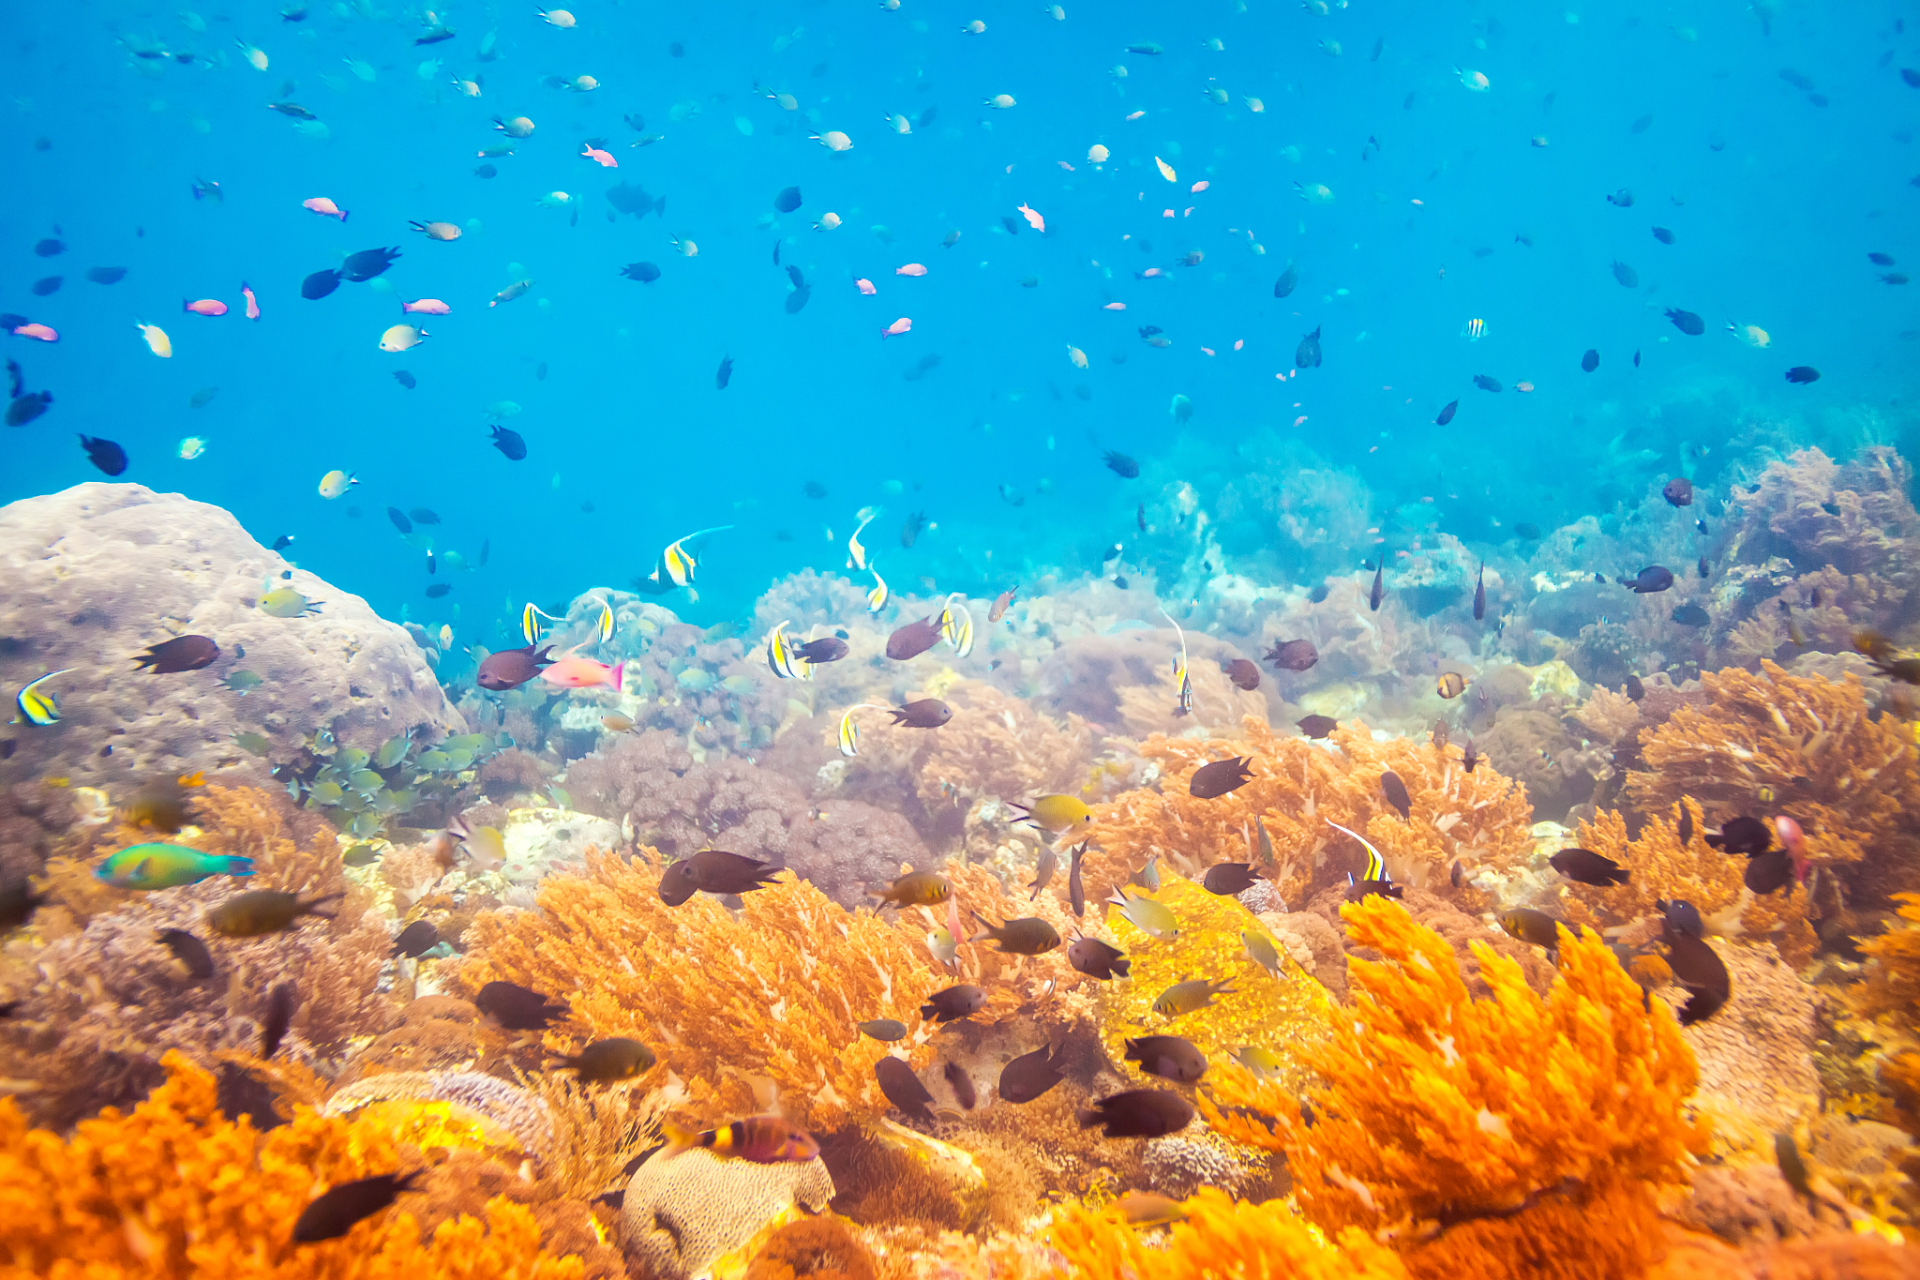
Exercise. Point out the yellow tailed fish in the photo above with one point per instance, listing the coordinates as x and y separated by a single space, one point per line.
850 732
877 598
857 553
787 665
40 708
1180 672
530 621
957 631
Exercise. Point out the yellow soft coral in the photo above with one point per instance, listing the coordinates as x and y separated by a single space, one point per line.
1481 817
729 1002
1891 995
1481 1119
1220 1237
175 1189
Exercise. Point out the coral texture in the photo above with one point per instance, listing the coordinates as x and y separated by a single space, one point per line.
773 992
819 1247
684 1211
182 567
1220 1237
175 1189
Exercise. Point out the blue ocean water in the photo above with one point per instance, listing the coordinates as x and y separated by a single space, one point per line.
1773 141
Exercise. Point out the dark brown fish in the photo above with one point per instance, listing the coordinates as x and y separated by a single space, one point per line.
18 901
189 951
280 1006
1318 726
162 804
1139 1113
1076 888
1001 603
1292 655
713 871
416 939
261 911
1678 491
347 1205
1043 870
1586 867
926 713
954 1002
1244 674
1698 968
825 649
1531 925
182 653
914 639
1169 1057
511 668
1220 777
516 1008
962 1085
886 1030
1229 878
1396 794
1470 756
1097 959
1769 871
1681 917
608 1061
903 1088
1742 835
1379 592
1029 936
1029 1075
1480 594
1686 825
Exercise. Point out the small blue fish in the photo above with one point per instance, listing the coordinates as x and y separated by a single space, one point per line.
40 708
167 866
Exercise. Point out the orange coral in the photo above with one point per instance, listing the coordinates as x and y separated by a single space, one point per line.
1846 777
1480 817
997 745
175 1189
1220 1237
820 1247
1891 994
1492 1122
728 1002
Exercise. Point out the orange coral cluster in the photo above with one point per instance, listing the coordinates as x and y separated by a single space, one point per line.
175 1189
1001 747
730 1003
1481 818
1891 994
1220 1237
1514 1136
1814 745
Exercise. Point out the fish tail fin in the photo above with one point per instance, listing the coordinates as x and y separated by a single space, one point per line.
619 675
239 866
678 1139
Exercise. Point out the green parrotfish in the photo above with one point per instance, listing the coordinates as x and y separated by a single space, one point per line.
167 866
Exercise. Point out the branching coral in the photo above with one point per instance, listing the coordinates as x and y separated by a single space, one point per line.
819 1247
1891 995
1219 1237
1519 1128
727 1001
175 1189
1480 818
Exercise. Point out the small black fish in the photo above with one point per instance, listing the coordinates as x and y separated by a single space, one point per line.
962 1085
1590 361
724 374
1139 1113
1742 836
1636 357
1243 674
1379 591
1220 777
486 171
903 1088
516 1008
45 285
438 589
416 939
1626 275
1698 968
1686 322
1650 580
1469 756
106 275
49 248
1685 828
1169 1057
925 713
913 639
953 1003
367 264
282 542
405 379
1291 277
1319 593
1480 594
1396 793
399 519
25 408
1528 530
510 443
1229 878
1678 491
189 951
1123 466
1485 383
182 653
644 272
1681 917
714 871
1030 1075
1076 888
1622 197
1663 235
1586 867
425 515
825 649
787 200
1097 959
1769 871
885 1030
347 1205
1446 413
1702 567
1880 259
319 285
1635 689
1292 655
1318 726
280 1006
1691 615
1307 354
1803 373
104 454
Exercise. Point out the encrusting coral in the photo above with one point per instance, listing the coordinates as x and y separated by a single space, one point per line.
770 994
685 1211
1480 818
175 1189
1517 1136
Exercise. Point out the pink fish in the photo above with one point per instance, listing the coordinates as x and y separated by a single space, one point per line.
1151 273
604 159
43 332
1198 187
1208 350
898 327
1238 343
584 673
1034 219
204 307
253 306
325 208
1064 165
427 307
911 269
1136 115
1795 842
1115 306
865 286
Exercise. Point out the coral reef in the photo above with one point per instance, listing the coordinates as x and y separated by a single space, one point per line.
684 1211
1545 1125
176 1189
725 1000
182 567
1890 996
817 1247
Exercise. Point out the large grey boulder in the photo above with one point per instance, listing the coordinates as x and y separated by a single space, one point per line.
93 575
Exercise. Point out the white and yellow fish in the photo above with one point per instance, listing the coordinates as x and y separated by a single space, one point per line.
877 597
335 483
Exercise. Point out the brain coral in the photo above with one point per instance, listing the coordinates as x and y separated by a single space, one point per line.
683 1212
